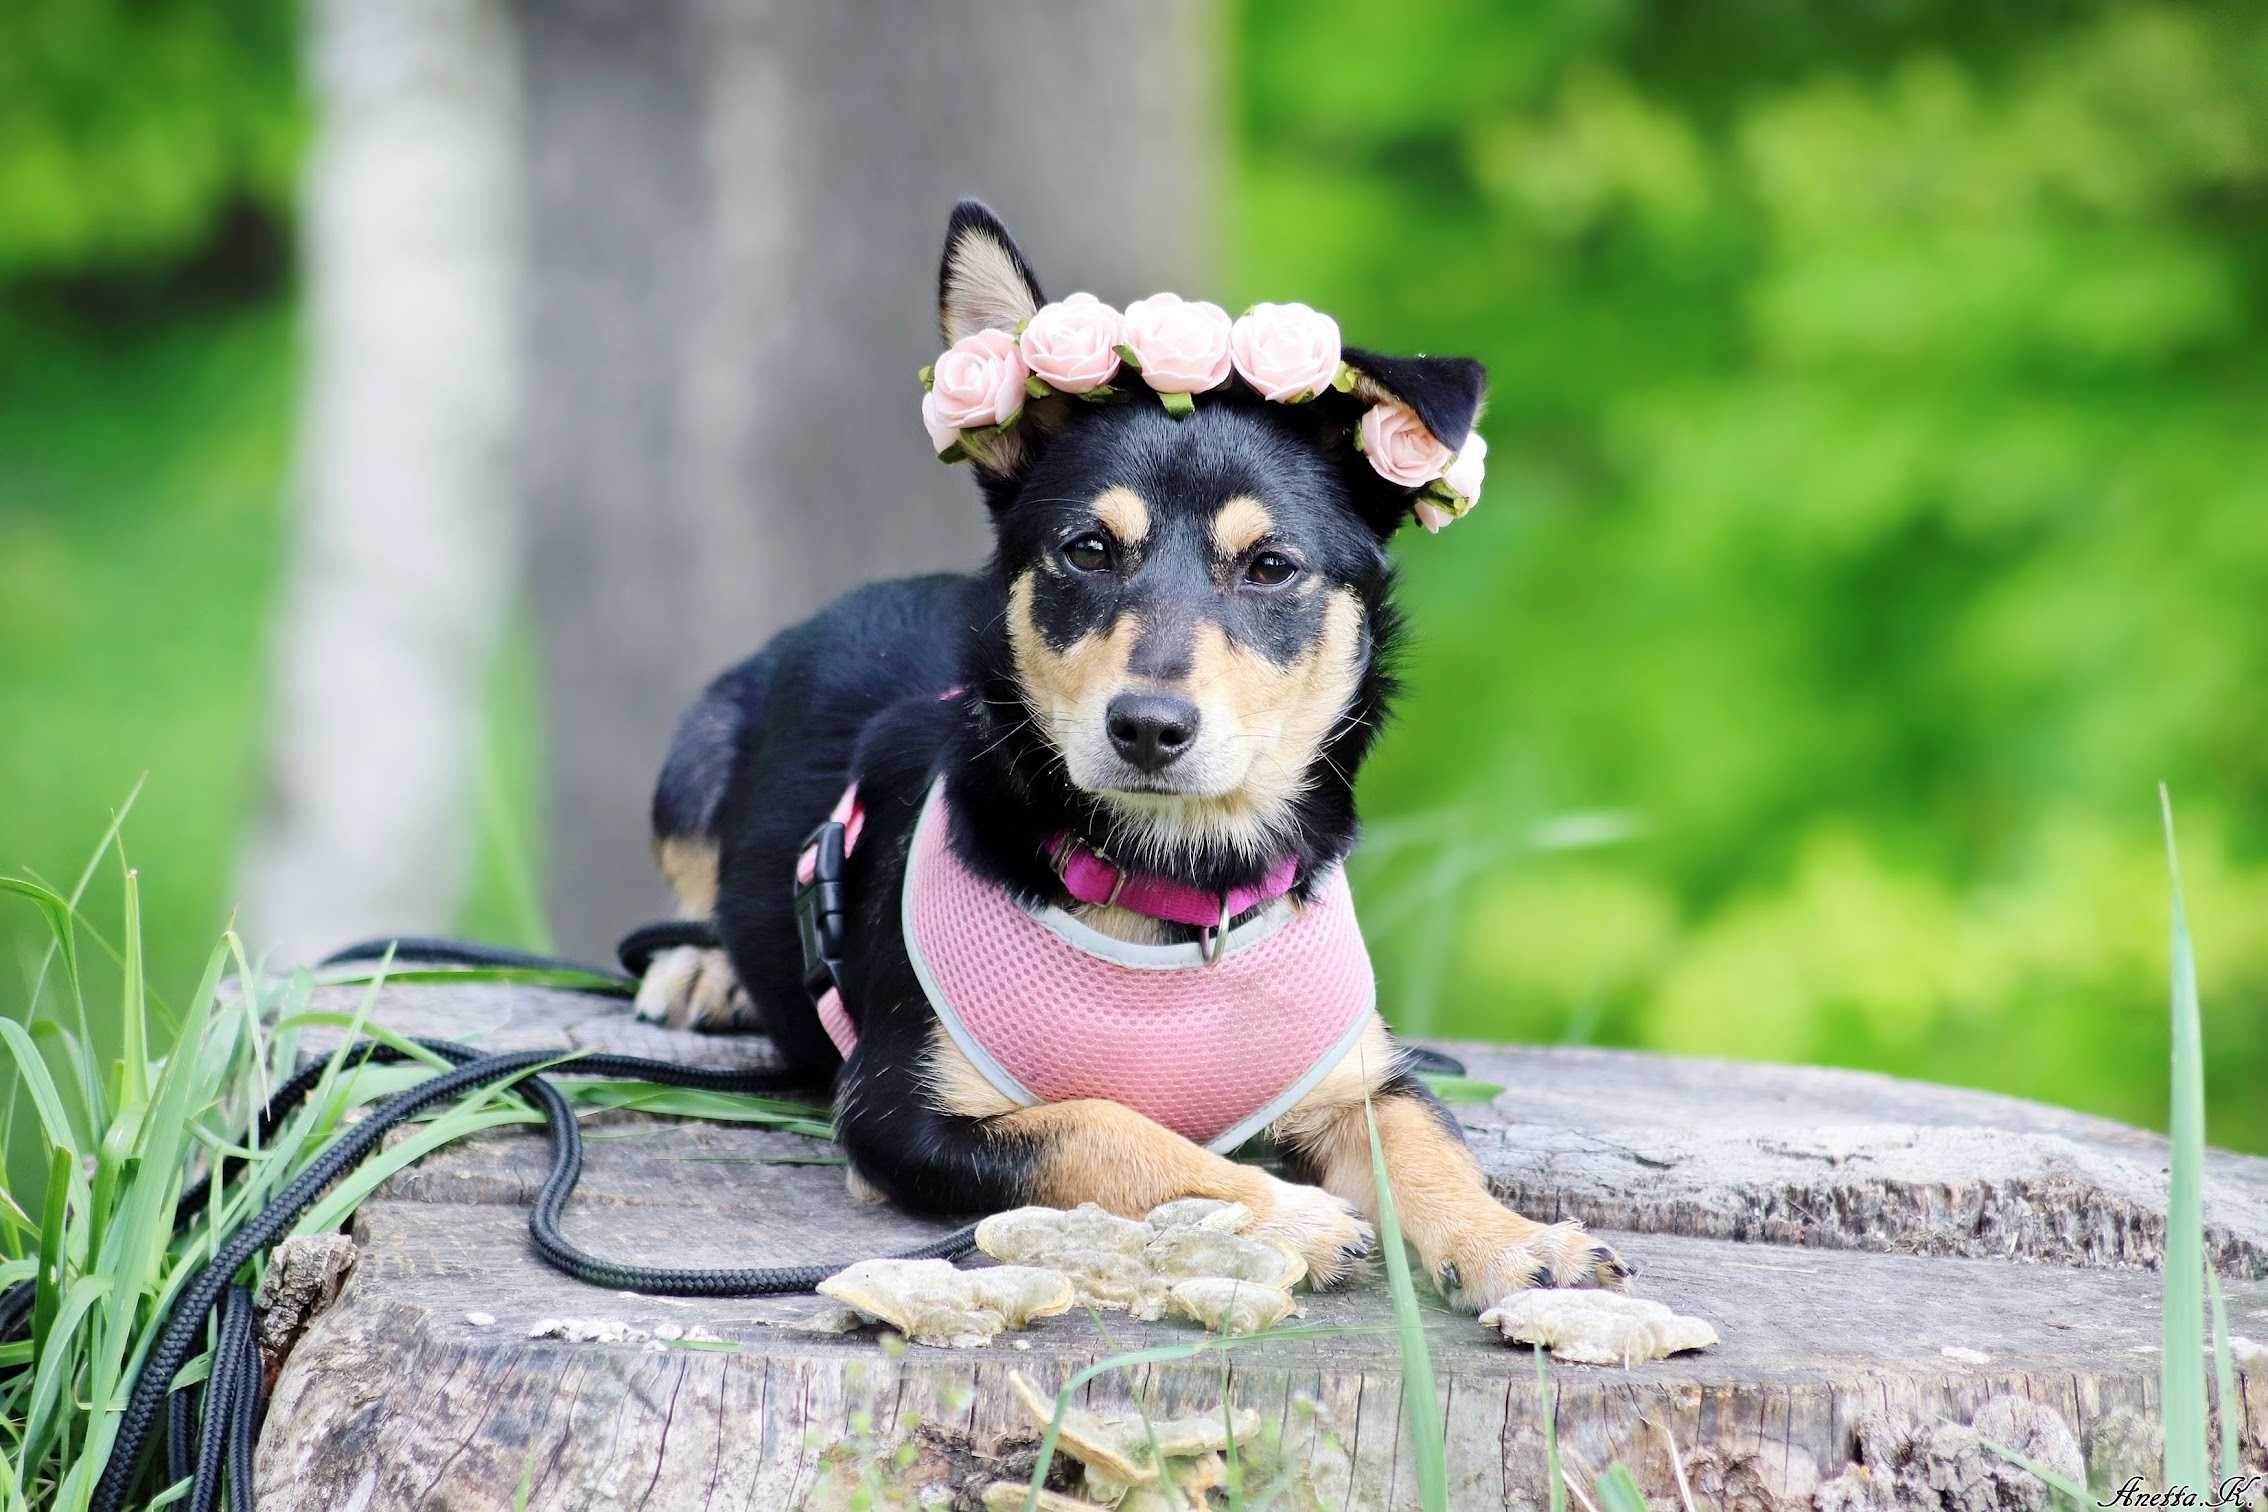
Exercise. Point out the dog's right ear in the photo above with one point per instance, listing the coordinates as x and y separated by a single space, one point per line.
982 280
983 283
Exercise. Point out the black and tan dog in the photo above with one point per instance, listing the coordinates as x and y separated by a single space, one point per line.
1177 656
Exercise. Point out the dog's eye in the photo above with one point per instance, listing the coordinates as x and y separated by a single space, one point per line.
1271 568
1088 553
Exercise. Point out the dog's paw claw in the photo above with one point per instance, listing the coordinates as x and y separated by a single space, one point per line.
1562 1254
1547 1257
1330 1235
1611 1267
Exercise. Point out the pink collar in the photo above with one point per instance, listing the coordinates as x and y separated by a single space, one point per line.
1090 878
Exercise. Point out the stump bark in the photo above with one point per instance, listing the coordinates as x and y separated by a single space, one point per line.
1884 1262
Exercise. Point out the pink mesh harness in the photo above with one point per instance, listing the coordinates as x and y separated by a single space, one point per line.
1050 1010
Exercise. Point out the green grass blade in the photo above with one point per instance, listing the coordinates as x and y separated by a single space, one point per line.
1232 1475
47 1292
134 1085
2224 1382
1547 1406
61 916
2181 1363
1618 1490
319 1107
147 1209
57 911
341 1201
252 999
46 1101
1157 1458
361 1028
59 1362
1462 1089
469 1116
695 1102
170 1494
566 977
64 942
1165 1354
2055 1480
11 1486
52 1036
1422 1411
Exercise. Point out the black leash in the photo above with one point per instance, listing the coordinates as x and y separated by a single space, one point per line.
636 952
209 1435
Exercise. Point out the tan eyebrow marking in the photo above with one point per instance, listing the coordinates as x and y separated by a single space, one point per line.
1128 518
1239 525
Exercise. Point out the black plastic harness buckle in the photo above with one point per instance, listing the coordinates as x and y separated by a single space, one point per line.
822 922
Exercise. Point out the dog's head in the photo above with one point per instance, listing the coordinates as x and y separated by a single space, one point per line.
1197 608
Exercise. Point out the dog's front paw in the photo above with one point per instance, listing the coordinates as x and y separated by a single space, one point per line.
1329 1234
1511 1254
691 988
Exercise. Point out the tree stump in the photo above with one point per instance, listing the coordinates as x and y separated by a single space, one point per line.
1881 1259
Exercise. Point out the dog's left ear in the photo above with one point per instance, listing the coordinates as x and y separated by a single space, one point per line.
982 280
1445 393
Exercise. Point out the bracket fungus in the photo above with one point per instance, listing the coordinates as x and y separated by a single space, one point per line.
1598 1327
1117 1451
1009 1496
1228 1306
1133 1263
934 1302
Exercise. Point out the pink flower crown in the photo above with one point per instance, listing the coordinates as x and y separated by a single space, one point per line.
1287 353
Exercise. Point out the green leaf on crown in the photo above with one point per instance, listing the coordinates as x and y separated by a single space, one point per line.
1343 380
928 377
1037 387
1126 355
1180 406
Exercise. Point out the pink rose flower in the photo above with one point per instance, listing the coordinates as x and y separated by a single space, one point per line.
1073 344
1181 344
1433 514
1286 351
979 381
1464 475
942 437
1400 447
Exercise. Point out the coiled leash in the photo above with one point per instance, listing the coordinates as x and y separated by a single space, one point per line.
210 1432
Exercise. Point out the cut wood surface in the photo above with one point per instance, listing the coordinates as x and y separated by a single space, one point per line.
1880 1259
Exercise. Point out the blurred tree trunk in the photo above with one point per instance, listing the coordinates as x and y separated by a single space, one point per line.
737 211
407 539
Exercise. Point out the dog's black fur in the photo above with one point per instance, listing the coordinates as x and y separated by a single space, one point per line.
857 693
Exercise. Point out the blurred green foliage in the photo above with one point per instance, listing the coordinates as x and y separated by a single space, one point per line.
140 541
1878 509
1878 506
129 127
142 530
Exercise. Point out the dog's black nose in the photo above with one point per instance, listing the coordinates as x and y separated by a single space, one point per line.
1151 730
